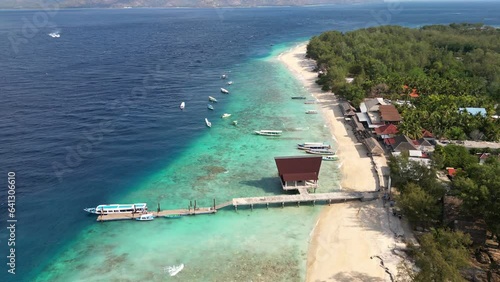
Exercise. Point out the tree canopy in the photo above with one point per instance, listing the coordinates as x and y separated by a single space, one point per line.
438 68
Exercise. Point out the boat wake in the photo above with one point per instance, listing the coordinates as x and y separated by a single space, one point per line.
55 34
174 269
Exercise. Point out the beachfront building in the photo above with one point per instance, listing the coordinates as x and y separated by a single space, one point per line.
298 171
347 109
386 131
370 112
373 146
389 114
400 144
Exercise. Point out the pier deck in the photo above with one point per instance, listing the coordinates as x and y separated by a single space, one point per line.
303 197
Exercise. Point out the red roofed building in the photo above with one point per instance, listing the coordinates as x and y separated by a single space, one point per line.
298 171
386 131
414 93
389 114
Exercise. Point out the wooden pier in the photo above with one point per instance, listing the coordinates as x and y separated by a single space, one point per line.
303 197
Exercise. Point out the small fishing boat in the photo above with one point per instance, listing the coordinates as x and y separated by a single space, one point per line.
212 99
311 112
145 217
209 124
173 270
320 152
225 91
225 115
178 215
298 97
182 106
330 158
269 132
235 122
210 107
223 76
229 83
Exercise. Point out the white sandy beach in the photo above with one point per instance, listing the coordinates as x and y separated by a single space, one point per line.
348 236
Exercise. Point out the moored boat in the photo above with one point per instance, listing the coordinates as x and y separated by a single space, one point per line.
223 76
313 146
298 97
212 99
177 215
173 270
209 124
320 152
235 122
230 83
310 102
182 106
311 112
145 217
269 132
210 107
225 115
118 208
225 91
330 158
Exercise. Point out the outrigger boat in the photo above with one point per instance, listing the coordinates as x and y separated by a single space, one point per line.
311 112
269 132
321 152
225 115
209 124
298 97
118 208
225 91
212 99
330 158
313 146
210 107
178 215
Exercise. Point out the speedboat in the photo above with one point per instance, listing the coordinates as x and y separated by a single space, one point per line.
212 99
118 208
182 106
209 124
145 217
269 132
229 83
225 115
210 107
225 91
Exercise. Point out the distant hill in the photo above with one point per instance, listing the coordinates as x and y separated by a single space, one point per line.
25 4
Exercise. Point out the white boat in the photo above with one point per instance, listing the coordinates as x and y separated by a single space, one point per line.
212 99
173 270
210 107
320 152
209 124
269 132
330 158
235 122
223 76
145 217
313 146
54 34
118 208
311 112
225 115
229 83
225 91
182 106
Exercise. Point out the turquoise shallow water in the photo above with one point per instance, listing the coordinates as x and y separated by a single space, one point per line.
226 162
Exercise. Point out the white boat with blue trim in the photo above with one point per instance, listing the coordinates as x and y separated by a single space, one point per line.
145 217
118 208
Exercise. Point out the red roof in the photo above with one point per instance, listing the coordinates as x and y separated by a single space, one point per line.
414 93
390 141
427 134
389 113
298 167
387 129
451 171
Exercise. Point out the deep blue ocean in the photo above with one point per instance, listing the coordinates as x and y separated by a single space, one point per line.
91 114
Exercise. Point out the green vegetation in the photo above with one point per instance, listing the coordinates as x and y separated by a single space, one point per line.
450 67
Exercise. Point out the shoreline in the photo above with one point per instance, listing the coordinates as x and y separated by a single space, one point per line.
351 241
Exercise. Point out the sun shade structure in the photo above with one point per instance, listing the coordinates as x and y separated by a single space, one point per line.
298 171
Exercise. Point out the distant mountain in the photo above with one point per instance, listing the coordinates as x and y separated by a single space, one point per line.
24 4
